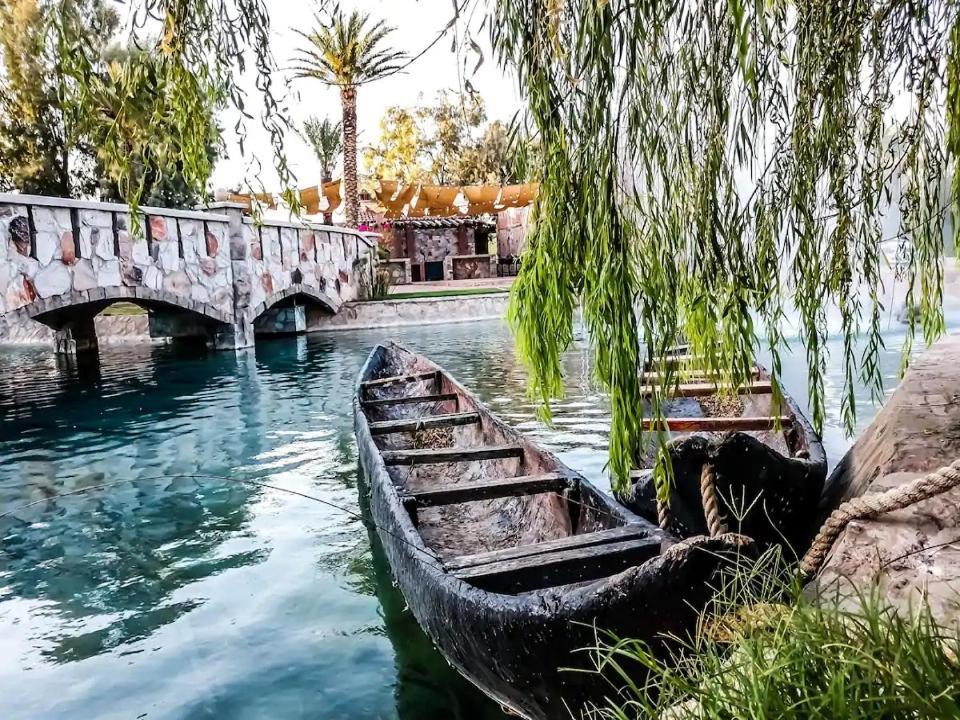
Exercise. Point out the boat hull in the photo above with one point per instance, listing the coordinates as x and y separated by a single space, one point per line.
519 649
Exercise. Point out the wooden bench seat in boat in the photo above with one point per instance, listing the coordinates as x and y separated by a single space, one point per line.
424 422
489 489
563 567
393 379
600 537
409 400
707 389
719 424
450 455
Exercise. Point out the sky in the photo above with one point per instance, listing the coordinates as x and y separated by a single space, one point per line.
417 23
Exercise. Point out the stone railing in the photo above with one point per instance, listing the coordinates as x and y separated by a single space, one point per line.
62 261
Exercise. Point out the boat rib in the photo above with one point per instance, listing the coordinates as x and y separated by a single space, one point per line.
422 423
507 487
450 455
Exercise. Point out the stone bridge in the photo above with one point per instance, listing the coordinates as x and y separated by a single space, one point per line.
215 275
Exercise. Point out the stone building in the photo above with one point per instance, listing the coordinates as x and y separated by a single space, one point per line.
439 248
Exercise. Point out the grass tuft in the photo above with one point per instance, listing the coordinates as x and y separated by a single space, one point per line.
767 650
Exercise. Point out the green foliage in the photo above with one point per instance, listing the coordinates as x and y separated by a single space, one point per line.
443 143
381 275
709 169
326 139
40 150
399 154
766 650
114 118
203 48
346 50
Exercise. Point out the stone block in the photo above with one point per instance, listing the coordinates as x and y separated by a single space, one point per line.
19 236
109 274
132 275
153 278
83 275
177 283
199 293
169 255
54 279
125 244
96 219
212 244
139 252
47 246
68 249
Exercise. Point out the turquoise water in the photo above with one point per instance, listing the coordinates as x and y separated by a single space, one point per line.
165 596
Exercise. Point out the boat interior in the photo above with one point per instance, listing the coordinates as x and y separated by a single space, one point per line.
501 513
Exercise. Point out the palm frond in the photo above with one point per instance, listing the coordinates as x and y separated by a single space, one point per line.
346 50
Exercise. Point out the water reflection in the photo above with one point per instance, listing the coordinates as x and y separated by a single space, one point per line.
165 596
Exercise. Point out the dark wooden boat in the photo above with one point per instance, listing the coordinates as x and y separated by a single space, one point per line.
767 463
508 559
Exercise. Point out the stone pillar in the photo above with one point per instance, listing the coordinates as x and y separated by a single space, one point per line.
231 336
76 336
283 321
240 335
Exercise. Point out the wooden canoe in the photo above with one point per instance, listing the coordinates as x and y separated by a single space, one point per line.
507 558
768 464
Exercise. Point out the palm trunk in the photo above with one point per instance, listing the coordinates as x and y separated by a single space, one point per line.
326 176
348 97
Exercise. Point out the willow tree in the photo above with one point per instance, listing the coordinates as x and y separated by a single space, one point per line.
199 55
709 168
346 52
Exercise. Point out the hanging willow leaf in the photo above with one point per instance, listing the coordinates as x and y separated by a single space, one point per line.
710 170
198 57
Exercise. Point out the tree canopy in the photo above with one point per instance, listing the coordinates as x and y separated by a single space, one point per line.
447 142
41 150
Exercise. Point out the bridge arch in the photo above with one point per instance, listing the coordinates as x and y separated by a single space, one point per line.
55 311
328 302
71 316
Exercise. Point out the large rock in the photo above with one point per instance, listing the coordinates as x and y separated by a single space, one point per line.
903 553
153 278
108 274
68 249
48 245
177 283
19 230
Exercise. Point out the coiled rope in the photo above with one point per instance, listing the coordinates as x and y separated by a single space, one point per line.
874 505
708 494
711 506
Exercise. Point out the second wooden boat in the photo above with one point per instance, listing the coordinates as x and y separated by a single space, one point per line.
509 560
763 461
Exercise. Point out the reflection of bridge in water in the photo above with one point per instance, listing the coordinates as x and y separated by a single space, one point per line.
215 275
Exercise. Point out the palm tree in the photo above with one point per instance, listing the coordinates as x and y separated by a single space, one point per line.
326 137
347 51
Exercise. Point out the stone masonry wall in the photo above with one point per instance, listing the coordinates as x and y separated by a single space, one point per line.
48 250
58 253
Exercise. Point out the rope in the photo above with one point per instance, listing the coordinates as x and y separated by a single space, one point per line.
711 509
874 505
664 518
